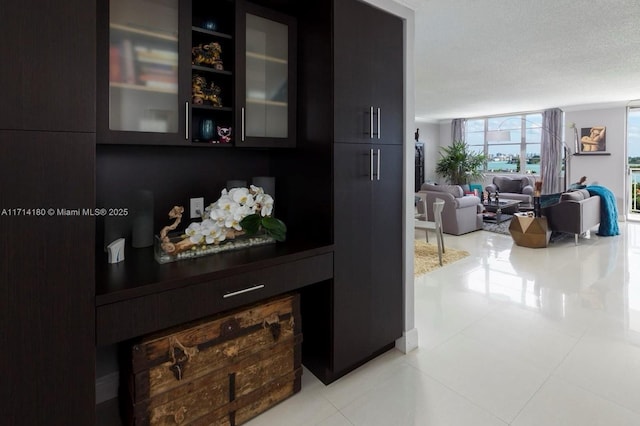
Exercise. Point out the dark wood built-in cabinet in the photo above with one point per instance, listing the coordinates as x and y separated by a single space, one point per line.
367 173
368 251
47 166
368 74
368 182
332 94
196 72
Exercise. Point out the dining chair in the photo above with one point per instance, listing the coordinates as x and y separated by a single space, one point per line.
421 221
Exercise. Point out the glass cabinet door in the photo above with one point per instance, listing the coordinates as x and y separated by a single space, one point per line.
143 66
266 79
267 90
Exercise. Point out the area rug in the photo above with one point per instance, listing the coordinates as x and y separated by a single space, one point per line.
426 257
498 228
503 228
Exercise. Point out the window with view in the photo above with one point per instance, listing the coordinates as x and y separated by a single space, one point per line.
511 143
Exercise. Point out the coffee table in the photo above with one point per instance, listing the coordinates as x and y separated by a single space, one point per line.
500 211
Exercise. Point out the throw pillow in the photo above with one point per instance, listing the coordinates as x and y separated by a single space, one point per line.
572 196
547 200
455 190
509 185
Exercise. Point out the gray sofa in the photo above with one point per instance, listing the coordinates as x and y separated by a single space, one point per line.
513 187
460 214
576 212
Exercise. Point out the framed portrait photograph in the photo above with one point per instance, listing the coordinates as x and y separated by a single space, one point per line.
593 139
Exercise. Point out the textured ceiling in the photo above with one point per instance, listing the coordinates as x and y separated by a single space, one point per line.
484 57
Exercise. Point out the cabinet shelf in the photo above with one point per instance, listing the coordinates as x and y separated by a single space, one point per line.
144 32
211 70
267 58
211 33
267 102
128 86
211 108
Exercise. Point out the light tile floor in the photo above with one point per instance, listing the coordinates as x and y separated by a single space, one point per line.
508 336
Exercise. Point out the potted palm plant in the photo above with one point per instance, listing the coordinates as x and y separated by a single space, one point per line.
459 165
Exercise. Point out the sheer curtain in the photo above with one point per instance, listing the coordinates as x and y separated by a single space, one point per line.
457 129
551 151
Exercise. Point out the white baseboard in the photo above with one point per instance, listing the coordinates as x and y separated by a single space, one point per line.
107 387
408 341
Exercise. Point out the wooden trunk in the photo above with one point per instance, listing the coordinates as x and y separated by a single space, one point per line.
223 370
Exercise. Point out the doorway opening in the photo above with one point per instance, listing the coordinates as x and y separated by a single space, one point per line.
633 163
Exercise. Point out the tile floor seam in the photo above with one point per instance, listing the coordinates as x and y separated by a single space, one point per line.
342 414
595 394
492 414
548 375
533 395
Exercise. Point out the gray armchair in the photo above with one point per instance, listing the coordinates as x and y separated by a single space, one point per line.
461 213
514 187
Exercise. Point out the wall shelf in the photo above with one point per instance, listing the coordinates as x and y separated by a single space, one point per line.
591 153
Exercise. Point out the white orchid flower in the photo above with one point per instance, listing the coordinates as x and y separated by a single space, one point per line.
193 231
233 221
226 203
212 232
218 216
257 190
266 204
240 195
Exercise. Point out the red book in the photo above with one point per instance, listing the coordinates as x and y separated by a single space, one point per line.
115 71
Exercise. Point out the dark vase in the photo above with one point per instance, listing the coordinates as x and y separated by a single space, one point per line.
206 129
536 207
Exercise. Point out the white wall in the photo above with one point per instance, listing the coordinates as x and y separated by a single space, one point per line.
608 171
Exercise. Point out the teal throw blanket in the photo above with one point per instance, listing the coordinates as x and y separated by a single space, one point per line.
608 211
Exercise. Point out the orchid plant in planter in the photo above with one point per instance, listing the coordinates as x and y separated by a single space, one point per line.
238 212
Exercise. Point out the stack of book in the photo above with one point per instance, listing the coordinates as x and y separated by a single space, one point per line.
143 65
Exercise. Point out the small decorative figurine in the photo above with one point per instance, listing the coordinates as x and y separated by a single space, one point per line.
224 134
207 54
202 92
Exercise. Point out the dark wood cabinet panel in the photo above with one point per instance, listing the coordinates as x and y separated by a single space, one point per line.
388 69
48 73
386 249
368 251
46 278
352 239
353 52
368 74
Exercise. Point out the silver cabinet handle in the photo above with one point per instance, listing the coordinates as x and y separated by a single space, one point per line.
378 176
371 123
371 168
379 130
246 290
242 119
186 120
